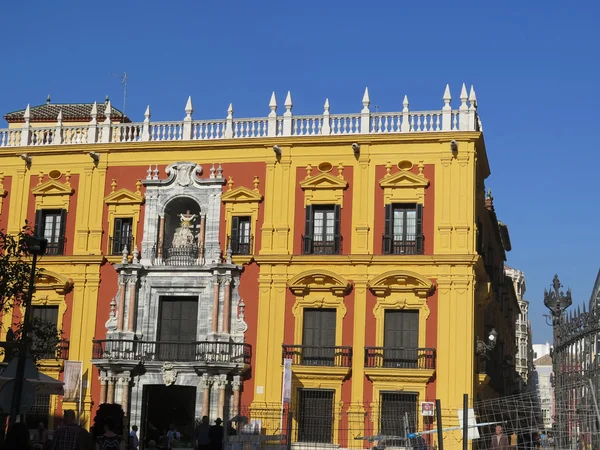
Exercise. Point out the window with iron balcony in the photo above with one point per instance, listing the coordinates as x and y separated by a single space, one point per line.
322 230
240 241
122 236
50 224
403 229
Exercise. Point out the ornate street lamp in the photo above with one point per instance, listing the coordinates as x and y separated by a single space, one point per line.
482 349
35 247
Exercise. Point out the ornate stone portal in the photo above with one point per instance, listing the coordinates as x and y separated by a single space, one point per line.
181 258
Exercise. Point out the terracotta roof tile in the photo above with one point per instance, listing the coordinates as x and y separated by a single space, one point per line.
72 112
545 360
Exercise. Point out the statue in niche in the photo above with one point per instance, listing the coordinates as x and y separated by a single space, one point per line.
183 236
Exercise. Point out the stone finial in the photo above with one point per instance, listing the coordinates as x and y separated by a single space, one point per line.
388 169
212 171
256 182
48 100
155 173
138 187
125 254
59 118
242 308
136 255
308 171
113 308
230 183
472 98
447 97
326 106
40 178
463 95
421 166
147 113
68 177
149 172
107 112
219 171
366 101
27 115
113 185
230 111
94 111
340 169
288 102
273 105
189 109
405 104
228 254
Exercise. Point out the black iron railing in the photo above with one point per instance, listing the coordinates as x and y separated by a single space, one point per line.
62 351
310 355
188 255
116 245
321 244
56 248
401 358
396 245
199 351
240 245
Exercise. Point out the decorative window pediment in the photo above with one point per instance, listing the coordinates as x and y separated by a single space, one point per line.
52 194
241 195
323 188
318 280
124 197
47 280
124 204
403 187
401 281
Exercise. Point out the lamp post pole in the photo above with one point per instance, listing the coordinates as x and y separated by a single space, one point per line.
557 302
36 247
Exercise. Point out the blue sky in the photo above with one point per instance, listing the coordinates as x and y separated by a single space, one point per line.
535 67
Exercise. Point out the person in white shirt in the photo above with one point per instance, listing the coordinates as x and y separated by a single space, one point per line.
134 442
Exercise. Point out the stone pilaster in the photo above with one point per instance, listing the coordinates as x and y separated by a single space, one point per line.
227 306
124 380
205 383
215 308
222 384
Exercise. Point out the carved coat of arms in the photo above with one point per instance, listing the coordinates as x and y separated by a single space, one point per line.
169 374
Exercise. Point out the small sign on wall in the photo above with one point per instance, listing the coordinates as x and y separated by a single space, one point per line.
427 408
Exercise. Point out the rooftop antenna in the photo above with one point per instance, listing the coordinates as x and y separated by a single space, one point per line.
123 79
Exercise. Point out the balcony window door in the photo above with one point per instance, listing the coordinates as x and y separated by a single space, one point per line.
401 339
315 415
48 315
318 337
178 319
240 235
122 236
322 230
395 408
403 229
50 224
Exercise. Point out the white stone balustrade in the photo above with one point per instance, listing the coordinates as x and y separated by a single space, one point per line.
364 122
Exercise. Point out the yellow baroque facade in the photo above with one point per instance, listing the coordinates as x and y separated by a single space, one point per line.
363 248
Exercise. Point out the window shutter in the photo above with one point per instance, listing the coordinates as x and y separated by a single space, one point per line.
419 229
117 244
38 226
388 233
337 238
235 228
61 234
308 230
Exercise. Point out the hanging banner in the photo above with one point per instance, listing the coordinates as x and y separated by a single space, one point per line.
287 380
72 378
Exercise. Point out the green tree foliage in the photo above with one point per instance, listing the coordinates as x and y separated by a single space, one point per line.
15 273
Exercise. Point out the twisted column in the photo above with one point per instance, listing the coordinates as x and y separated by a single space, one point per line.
161 236
236 385
205 383
222 383
215 311
227 306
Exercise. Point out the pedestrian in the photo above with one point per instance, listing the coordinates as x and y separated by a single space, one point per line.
151 444
499 440
109 440
172 436
68 436
215 435
134 442
544 440
201 439
40 436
